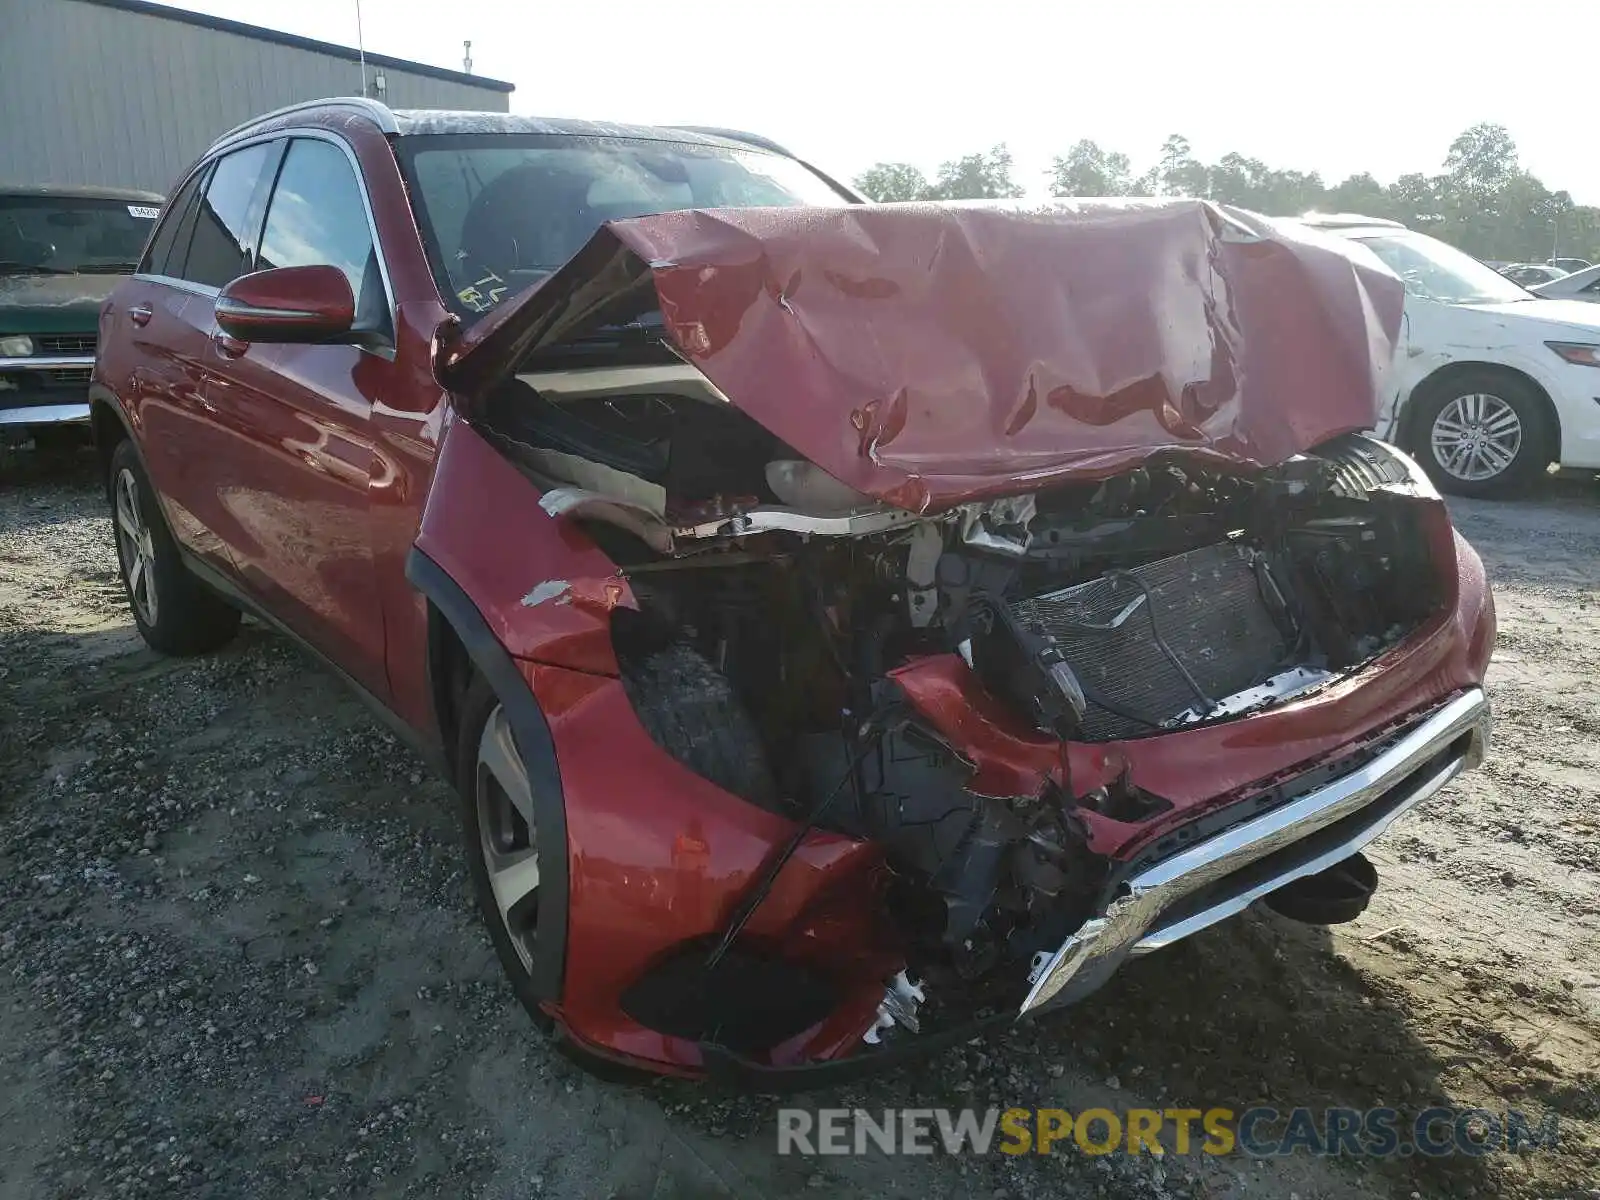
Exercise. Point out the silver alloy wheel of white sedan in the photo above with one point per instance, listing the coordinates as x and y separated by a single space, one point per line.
1476 437
135 548
506 832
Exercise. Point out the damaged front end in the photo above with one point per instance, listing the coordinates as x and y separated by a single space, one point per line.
1065 716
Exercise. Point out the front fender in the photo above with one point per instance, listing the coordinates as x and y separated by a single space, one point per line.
1415 372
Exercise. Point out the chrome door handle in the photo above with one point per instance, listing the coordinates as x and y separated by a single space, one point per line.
140 314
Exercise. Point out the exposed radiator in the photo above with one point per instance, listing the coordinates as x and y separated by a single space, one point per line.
1208 606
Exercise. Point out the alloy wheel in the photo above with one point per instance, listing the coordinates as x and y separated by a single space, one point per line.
135 547
1476 437
506 832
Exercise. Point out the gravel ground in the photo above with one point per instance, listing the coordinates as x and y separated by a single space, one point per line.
237 957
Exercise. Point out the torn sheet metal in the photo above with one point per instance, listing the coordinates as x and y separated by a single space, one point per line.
928 354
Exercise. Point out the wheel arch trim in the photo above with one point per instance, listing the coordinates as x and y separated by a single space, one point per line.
102 400
532 734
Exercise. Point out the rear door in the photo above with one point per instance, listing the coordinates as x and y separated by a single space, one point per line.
301 459
149 350
190 457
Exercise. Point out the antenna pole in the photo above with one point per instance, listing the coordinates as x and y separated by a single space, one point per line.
361 49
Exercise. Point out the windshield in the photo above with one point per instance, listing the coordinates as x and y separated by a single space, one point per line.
499 212
1439 272
63 234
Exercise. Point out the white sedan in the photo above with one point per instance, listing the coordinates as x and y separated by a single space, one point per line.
1580 285
1492 383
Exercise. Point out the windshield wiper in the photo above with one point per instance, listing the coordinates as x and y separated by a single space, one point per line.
107 268
632 331
635 341
31 269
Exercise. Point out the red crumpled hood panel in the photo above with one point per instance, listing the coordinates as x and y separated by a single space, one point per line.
929 354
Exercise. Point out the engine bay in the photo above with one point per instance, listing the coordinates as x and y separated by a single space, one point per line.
1171 596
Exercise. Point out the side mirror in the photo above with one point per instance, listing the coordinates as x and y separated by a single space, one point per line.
288 304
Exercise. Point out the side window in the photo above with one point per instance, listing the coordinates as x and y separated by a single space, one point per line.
317 217
166 234
227 218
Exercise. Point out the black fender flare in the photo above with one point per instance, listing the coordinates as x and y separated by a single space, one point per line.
103 399
532 734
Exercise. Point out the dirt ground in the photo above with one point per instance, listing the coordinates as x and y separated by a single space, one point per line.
237 956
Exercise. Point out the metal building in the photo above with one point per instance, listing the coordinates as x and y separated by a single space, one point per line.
128 93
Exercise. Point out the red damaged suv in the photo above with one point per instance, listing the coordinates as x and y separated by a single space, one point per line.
846 625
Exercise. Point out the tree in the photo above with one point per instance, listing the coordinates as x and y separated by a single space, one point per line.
1359 194
1181 174
1480 169
1087 170
1417 200
1482 201
1482 161
976 177
1290 193
893 181
1239 180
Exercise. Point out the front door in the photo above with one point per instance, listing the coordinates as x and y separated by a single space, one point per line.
297 487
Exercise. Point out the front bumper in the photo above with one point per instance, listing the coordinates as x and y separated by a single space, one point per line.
1209 881
45 389
1224 874
45 414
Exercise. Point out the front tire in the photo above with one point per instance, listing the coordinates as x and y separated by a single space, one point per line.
175 612
1485 433
501 838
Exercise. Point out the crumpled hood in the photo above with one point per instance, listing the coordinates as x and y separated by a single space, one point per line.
928 354
53 303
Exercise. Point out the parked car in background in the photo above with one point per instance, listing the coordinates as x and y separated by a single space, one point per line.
1582 284
807 617
1569 264
1492 383
1529 274
62 250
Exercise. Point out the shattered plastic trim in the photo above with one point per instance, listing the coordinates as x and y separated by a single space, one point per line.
551 589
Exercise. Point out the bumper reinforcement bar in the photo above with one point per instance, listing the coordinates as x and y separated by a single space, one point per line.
1223 875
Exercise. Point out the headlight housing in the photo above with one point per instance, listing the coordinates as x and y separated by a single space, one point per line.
16 346
1579 354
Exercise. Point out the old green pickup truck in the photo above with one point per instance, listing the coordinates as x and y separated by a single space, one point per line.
62 250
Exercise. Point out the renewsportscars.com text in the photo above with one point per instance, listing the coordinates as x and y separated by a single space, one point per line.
1259 1132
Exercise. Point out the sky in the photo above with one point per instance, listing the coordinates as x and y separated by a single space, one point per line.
1359 85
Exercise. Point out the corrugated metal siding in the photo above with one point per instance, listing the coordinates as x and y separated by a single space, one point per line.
97 95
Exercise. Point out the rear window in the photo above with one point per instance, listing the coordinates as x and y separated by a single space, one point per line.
225 227
62 234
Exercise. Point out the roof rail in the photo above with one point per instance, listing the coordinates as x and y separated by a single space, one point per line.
737 135
376 111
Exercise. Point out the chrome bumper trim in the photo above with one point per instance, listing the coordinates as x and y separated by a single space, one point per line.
1300 838
46 362
43 414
